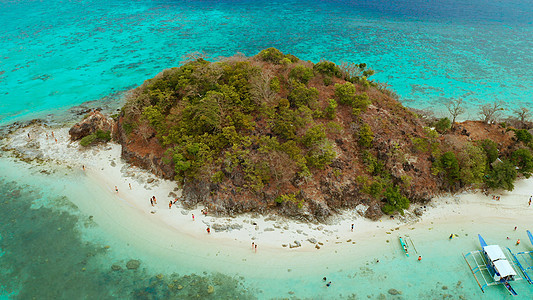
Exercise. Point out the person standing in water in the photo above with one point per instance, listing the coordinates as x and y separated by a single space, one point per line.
116 189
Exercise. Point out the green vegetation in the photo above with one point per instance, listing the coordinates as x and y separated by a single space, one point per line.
501 176
443 125
523 159
366 136
523 135
97 137
265 127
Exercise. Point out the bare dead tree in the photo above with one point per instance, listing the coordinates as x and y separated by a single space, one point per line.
260 88
193 57
145 131
455 108
523 114
490 112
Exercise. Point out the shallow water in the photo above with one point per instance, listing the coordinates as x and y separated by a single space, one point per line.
63 53
56 54
56 244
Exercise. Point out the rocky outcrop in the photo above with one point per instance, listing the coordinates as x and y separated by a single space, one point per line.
93 122
145 152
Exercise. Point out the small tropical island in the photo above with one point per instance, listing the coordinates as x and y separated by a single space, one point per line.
273 133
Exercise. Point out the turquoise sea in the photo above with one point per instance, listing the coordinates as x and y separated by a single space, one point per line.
58 54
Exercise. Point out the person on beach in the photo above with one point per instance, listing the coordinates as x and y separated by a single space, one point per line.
83 167
515 228
253 245
170 205
352 227
193 217
451 236
419 258
129 185
530 200
53 134
175 200
208 230
55 140
255 248
155 201
116 188
29 136
518 242
152 202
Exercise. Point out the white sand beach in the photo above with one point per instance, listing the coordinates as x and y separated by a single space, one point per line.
165 231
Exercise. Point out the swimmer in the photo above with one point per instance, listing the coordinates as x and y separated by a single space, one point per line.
518 242
324 278
419 258
328 284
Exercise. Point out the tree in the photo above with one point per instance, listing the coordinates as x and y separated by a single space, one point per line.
455 108
301 73
491 111
523 114
450 166
491 150
523 159
345 93
261 88
523 135
443 125
502 176
472 163
366 136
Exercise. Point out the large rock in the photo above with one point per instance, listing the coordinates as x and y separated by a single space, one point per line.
133 264
95 121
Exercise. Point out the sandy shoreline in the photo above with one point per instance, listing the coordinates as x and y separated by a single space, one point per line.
273 234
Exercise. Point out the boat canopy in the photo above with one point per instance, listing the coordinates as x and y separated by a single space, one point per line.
500 262
494 252
504 268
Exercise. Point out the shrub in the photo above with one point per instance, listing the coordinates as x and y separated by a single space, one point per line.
303 96
395 201
443 125
301 74
275 85
472 161
103 135
523 159
450 167
491 150
88 140
345 93
327 68
331 109
321 156
502 176
315 135
366 136
272 55
523 135
361 101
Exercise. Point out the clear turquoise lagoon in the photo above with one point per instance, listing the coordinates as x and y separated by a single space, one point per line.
58 54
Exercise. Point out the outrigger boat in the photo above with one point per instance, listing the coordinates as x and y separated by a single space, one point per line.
524 260
497 263
491 267
404 246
